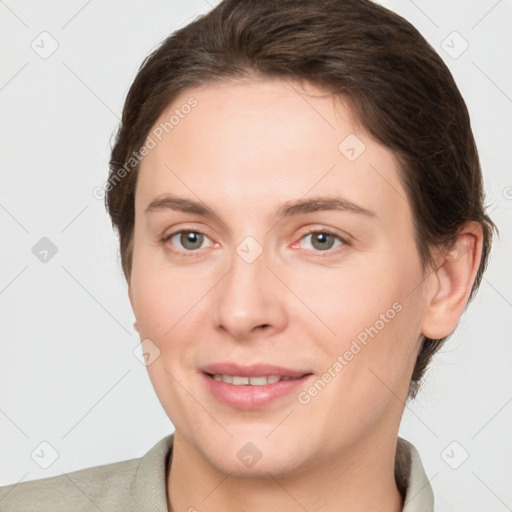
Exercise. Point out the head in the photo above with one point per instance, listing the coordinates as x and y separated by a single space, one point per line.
244 132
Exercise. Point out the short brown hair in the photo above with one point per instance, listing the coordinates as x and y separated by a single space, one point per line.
398 86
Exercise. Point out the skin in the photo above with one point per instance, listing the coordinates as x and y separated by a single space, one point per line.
244 150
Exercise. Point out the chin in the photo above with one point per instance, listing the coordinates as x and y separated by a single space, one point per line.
266 467
253 456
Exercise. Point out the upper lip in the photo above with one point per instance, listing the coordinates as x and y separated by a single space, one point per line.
255 370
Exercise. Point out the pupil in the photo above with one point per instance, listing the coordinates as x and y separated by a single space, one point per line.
191 240
323 238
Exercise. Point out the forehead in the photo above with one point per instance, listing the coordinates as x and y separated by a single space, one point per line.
265 140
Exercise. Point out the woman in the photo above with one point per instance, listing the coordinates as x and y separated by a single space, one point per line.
299 203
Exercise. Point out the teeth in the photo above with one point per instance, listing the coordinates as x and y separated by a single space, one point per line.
237 380
258 381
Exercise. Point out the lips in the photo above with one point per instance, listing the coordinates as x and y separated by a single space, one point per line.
256 370
240 380
251 387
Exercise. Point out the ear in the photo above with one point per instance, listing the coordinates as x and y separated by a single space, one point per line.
452 283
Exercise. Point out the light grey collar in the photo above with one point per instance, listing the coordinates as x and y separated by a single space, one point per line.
419 496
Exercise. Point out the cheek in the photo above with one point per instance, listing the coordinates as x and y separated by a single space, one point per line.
167 304
164 299
367 315
351 298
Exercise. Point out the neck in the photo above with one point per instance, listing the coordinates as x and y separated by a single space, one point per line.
362 479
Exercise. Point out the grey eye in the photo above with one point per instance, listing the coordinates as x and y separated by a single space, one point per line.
190 240
322 241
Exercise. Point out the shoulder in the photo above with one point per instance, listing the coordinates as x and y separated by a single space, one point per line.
111 487
85 489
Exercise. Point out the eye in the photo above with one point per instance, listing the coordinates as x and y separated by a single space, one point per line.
323 240
188 240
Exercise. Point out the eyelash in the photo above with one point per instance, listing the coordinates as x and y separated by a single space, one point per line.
195 253
187 254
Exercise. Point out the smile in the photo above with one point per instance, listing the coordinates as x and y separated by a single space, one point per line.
238 380
253 387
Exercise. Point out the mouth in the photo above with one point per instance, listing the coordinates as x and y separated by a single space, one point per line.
240 380
252 387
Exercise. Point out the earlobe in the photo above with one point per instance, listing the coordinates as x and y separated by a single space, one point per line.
453 280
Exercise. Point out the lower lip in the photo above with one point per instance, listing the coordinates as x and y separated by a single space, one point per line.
252 397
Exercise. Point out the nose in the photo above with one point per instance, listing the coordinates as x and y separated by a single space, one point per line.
249 300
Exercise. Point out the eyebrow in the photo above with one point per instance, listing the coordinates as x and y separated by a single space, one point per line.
321 203
287 209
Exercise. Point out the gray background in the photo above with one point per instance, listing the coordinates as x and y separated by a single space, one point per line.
68 375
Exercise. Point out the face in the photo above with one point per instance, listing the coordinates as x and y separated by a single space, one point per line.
275 276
